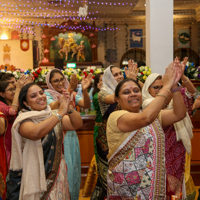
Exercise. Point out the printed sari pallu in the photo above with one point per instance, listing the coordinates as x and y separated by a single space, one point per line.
137 166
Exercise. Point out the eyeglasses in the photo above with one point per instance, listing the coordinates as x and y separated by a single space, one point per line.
57 81
11 90
13 82
156 88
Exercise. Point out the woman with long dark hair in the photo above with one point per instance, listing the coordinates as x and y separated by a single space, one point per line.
136 140
57 84
3 162
97 86
37 155
107 103
9 106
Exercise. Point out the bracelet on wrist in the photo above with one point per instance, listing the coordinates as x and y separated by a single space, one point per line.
58 116
162 95
15 105
70 91
166 90
176 89
186 81
71 111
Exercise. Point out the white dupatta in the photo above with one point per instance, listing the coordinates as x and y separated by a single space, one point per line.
183 128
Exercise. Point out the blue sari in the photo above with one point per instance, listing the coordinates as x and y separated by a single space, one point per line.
72 156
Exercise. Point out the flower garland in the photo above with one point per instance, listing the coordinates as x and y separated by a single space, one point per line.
39 74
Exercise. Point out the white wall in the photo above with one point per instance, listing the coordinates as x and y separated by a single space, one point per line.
18 58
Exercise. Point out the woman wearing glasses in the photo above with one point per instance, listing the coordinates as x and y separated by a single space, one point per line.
177 135
58 84
9 106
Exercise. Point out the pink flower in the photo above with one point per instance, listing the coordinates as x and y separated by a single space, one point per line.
94 46
53 39
22 70
43 36
46 51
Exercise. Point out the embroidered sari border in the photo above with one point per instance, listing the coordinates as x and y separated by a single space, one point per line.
160 172
120 144
124 149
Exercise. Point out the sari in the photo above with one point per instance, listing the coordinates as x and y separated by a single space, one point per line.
92 174
71 142
8 138
3 162
136 161
108 88
39 172
177 141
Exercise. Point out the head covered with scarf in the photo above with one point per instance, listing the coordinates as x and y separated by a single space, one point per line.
109 82
147 98
55 94
183 128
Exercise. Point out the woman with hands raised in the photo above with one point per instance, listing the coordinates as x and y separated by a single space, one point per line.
57 85
37 135
178 134
136 140
9 104
107 103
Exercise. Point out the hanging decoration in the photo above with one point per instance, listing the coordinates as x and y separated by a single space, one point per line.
27 32
46 51
33 32
115 42
21 32
24 44
105 40
43 36
53 39
126 36
42 50
83 11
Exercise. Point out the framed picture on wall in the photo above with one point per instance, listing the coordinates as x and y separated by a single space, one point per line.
184 38
136 38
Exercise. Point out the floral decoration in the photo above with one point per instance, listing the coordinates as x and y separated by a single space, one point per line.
92 69
191 71
143 73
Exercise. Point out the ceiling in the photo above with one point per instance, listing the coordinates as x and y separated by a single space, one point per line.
15 13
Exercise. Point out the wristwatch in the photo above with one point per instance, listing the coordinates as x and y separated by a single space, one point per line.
71 111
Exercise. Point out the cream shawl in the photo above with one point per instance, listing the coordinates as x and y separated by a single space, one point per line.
51 89
31 161
109 82
183 128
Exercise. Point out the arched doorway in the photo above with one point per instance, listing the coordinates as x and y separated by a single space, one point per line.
187 52
135 54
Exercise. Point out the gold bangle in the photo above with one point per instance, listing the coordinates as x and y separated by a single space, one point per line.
166 90
15 105
162 95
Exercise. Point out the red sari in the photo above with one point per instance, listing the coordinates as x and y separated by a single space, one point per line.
8 139
3 163
175 155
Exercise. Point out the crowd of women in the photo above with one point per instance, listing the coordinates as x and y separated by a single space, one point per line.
142 135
